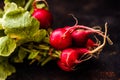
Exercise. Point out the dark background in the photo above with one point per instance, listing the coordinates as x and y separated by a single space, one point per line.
89 13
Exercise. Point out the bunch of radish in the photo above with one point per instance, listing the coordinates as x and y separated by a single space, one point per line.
76 45
74 42
26 34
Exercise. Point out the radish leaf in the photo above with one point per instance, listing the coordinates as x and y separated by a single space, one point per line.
19 24
7 46
18 2
6 70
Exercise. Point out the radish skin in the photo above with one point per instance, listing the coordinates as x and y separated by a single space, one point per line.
42 15
59 40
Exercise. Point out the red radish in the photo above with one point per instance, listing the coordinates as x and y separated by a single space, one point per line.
64 67
43 16
90 30
69 57
60 39
80 34
97 49
80 37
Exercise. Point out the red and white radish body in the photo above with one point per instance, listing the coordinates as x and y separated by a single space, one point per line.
59 39
69 56
79 37
44 16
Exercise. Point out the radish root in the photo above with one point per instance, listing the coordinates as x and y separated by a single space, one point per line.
103 44
95 52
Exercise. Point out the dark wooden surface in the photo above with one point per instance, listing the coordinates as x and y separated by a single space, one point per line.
90 13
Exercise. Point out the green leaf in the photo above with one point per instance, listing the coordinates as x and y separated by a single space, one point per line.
39 35
18 2
6 70
7 46
9 7
33 54
19 24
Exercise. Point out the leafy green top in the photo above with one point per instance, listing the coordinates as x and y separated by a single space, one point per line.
18 28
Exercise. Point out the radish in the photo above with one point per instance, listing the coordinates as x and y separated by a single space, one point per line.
80 34
63 66
80 37
96 50
60 39
69 56
86 31
43 16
